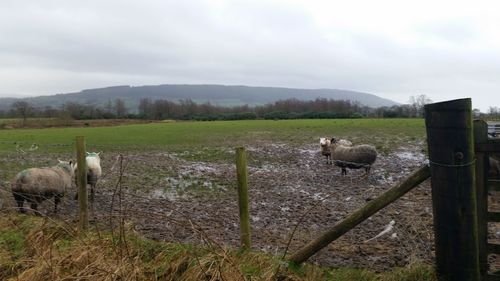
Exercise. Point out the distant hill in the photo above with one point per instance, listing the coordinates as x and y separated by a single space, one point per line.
216 94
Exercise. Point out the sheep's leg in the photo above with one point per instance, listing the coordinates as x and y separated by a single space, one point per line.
34 207
367 171
57 200
344 171
20 202
92 193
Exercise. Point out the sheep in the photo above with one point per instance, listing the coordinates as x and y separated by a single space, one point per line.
494 171
94 172
325 149
325 144
353 157
38 184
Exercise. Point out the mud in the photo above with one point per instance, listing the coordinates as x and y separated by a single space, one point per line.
165 197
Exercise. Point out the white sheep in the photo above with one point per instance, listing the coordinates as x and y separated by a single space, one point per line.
38 184
325 144
94 171
353 157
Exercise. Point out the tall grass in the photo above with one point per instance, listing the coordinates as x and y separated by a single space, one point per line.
33 248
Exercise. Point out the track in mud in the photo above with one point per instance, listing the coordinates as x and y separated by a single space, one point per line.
167 198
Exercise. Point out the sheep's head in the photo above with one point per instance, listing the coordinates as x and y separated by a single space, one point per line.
324 141
94 154
69 166
94 157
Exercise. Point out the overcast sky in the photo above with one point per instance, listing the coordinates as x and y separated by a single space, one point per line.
394 49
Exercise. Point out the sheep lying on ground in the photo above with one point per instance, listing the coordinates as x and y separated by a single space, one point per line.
37 184
325 144
94 172
353 157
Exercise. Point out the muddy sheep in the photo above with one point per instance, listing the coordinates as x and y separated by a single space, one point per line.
94 171
353 157
38 184
325 144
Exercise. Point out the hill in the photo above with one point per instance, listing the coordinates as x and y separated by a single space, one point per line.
216 94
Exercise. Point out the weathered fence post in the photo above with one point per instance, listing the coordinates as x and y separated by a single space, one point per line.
452 160
83 216
241 171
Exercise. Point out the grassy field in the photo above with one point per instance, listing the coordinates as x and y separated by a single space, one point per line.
182 135
198 141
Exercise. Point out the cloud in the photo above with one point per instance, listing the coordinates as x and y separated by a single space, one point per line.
389 48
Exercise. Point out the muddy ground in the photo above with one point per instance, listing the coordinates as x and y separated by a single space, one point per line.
165 197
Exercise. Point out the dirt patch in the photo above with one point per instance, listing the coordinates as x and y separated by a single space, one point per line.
168 198
37 123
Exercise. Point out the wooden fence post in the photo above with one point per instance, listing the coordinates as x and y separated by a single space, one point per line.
452 161
83 215
481 136
360 215
241 171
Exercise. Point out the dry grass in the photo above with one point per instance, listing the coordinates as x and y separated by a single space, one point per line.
41 249
37 123
33 248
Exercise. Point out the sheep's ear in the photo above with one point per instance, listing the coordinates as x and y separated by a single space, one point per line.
88 153
59 160
99 153
333 140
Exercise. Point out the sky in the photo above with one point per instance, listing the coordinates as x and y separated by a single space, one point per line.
394 49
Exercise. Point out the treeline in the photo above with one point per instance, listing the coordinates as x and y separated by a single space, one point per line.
187 109
283 109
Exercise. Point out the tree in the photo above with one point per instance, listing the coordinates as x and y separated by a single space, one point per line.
146 108
22 109
75 110
417 104
476 113
493 111
120 109
49 112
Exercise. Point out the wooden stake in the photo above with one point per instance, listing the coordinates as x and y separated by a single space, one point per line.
241 171
83 216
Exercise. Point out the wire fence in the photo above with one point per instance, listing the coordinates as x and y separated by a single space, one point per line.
119 209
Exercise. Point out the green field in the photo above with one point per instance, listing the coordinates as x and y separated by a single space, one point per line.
182 135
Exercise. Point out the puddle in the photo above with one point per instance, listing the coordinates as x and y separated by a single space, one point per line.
412 156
